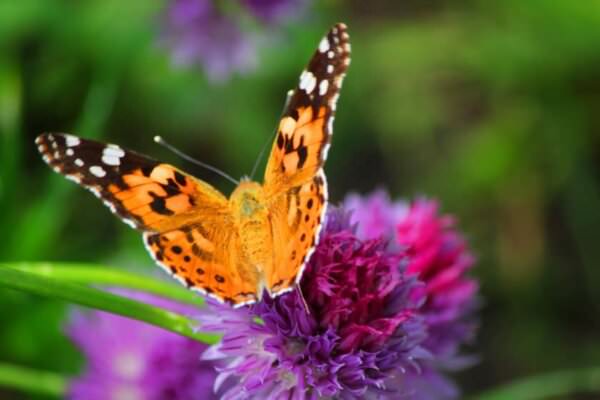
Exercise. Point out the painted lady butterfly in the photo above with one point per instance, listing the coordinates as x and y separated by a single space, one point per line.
231 249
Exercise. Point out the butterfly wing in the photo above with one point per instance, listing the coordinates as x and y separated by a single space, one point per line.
143 192
294 179
187 222
206 257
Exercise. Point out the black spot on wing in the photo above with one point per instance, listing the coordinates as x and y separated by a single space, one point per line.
158 204
302 155
180 178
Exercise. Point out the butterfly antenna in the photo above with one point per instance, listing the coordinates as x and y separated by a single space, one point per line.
262 152
181 154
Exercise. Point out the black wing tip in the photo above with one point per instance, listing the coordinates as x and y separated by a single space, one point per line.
340 26
340 40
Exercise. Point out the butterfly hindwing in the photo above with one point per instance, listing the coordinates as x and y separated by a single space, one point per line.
297 215
294 179
205 257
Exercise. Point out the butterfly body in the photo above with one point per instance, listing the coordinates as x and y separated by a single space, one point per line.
253 224
231 249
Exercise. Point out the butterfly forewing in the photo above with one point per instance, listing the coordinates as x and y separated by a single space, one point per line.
145 193
294 179
304 133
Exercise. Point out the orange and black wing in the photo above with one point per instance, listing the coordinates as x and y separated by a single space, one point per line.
295 182
186 222
144 193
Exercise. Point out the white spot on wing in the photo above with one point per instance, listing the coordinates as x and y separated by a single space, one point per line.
330 54
323 86
324 45
334 100
111 155
79 162
129 222
70 152
329 69
73 178
324 152
72 141
110 160
307 82
97 171
330 126
113 150
95 191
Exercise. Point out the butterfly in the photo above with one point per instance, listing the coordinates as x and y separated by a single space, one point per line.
231 249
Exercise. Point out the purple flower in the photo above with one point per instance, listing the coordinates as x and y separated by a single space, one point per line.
360 340
211 34
273 11
127 359
375 215
385 322
200 34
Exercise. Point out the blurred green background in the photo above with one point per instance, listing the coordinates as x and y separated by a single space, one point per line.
490 106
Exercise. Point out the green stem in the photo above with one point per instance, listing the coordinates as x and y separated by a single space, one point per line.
94 298
91 274
546 386
32 381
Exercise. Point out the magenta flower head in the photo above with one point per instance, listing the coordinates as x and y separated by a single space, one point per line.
362 336
439 257
127 359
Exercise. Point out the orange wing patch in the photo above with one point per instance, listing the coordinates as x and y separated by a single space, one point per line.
206 257
154 196
297 216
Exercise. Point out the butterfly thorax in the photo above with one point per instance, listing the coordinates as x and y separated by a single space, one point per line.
251 214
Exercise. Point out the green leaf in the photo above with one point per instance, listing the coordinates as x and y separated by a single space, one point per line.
95 274
90 297
546 386
32 381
